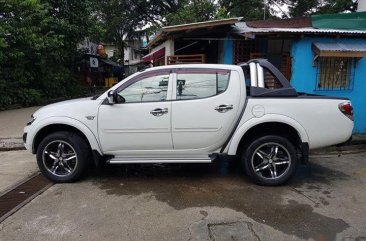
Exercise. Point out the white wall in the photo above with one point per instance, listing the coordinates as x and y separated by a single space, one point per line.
361 6
109 50
127 53
90 47
131 54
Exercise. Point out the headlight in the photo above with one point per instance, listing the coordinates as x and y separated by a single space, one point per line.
31 120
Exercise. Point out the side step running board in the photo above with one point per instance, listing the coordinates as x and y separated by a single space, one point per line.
131 160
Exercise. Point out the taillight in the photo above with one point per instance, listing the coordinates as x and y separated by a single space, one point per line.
347 109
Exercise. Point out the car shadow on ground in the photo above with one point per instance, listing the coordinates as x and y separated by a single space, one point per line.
225 168
223 184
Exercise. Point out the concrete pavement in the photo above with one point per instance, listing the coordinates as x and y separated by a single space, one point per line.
200 202
15 166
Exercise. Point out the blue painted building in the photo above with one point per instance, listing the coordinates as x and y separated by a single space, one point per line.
322 60
305 76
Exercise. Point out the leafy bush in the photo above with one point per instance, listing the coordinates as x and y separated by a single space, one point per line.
28 97
38 49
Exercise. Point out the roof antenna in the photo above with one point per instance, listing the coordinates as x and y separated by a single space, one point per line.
264 9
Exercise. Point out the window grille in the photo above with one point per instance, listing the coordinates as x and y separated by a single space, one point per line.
243 50
335 73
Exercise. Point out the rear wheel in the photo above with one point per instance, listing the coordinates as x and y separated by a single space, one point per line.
270 160
63 156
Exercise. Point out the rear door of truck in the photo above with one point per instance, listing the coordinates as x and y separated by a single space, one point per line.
206 107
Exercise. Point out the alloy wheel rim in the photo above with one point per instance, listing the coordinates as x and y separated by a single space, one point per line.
59 158
271 161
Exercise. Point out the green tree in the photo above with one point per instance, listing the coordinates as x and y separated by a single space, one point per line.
192 11
299 8
38 46
132 19
254 9
248 9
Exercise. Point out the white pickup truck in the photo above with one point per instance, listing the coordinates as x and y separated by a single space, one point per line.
190 114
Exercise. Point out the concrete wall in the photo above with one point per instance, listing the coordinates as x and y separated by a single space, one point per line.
304 77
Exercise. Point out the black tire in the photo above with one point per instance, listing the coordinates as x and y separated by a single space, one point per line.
72 145
267 166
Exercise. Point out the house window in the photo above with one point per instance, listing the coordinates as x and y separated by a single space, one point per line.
335 73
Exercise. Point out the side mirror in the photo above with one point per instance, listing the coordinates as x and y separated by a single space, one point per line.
114 98
110 97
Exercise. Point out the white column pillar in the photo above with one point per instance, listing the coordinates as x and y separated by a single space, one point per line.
169 49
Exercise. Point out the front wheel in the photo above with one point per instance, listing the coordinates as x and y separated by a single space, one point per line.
270 160
63 156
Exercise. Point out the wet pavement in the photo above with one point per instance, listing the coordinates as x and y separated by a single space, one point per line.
325 200
223 185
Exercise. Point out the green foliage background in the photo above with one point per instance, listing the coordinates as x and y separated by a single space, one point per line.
38 53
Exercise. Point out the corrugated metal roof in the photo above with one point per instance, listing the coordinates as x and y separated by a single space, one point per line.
350 47
299 22
204 24
242 28
191 26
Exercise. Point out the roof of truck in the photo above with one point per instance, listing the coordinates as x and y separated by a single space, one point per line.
190 66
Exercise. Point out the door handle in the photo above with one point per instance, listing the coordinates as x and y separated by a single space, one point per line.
159 111
223 108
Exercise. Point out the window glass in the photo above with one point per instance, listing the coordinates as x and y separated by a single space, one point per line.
197 85
153 88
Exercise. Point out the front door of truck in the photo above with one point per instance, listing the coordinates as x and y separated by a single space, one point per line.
143 123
